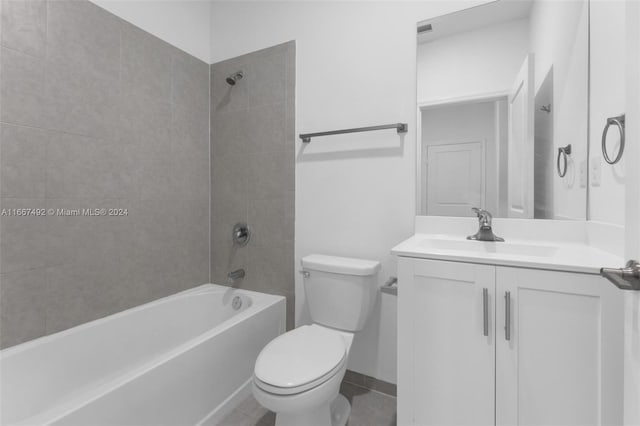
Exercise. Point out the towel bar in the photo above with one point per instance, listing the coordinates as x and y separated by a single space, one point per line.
400 128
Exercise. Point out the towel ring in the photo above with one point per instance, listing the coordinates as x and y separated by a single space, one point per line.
619 122
563 152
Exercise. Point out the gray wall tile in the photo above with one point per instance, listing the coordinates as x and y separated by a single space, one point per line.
79 166
267 130
267 83
267 271
81 101
23 301
112 117
268 174
22 161
22 88
155 164
146 64
144 120
23 26
85 240
190 126
230 133
252 170
190 173
189 76
192 227
24 243
268 222
229 188
190 168
291 308
124 121
78 293
154 240
84 35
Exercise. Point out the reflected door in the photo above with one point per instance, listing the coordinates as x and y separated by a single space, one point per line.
455 178
521 143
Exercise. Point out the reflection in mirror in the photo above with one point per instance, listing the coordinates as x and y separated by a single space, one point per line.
502 93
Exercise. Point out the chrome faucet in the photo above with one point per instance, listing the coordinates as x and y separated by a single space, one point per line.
485 233
234 276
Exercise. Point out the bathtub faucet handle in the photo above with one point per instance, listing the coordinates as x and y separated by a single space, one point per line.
241 234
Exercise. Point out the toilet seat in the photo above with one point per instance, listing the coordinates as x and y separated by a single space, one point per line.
300 360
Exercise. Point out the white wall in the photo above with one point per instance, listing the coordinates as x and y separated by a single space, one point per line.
355 195
183 23
483 61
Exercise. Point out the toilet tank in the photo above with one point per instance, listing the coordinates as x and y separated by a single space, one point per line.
340 291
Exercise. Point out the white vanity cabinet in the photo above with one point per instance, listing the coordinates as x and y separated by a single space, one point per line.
555 359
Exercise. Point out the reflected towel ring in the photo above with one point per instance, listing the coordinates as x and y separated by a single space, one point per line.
563 152
619 122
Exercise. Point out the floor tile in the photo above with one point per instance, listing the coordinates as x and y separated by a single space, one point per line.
368 408
237 418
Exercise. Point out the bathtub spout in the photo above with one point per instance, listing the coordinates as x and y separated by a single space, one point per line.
234 276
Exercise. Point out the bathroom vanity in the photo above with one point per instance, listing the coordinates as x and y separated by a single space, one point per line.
520 122
504 333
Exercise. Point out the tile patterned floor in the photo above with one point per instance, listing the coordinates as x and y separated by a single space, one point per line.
368 408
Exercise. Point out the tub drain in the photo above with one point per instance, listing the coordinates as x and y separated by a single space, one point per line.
236 303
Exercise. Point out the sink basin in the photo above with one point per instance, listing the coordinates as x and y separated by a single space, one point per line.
488 247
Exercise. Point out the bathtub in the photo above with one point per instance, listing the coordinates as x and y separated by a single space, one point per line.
182 360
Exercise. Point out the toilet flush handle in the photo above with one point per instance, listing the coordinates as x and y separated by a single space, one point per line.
305 274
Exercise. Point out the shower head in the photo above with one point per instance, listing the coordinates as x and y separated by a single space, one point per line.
233 78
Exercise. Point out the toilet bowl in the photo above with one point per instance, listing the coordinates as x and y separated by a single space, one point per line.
298 374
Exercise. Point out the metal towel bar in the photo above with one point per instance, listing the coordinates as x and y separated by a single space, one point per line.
400 128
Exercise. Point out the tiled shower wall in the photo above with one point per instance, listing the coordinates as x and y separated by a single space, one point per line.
252 175
96 113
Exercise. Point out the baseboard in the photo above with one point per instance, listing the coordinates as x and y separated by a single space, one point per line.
370 383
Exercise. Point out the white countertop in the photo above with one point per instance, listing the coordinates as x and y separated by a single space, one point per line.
562 257
551 245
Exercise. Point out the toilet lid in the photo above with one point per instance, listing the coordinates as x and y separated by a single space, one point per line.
300 356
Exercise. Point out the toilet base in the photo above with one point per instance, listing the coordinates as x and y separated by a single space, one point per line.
334 414
340 411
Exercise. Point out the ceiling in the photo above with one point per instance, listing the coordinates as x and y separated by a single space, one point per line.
474 18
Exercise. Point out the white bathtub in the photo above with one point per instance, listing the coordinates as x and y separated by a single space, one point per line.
181 360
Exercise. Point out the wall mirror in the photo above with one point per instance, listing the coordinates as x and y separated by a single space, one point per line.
502 103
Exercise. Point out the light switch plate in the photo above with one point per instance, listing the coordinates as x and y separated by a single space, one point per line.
596 171
583 174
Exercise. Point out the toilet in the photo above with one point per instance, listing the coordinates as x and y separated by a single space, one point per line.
298 374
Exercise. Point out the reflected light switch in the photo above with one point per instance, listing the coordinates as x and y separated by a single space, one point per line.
583 174
596 171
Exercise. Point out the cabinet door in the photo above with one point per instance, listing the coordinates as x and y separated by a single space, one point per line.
562 362
450 375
